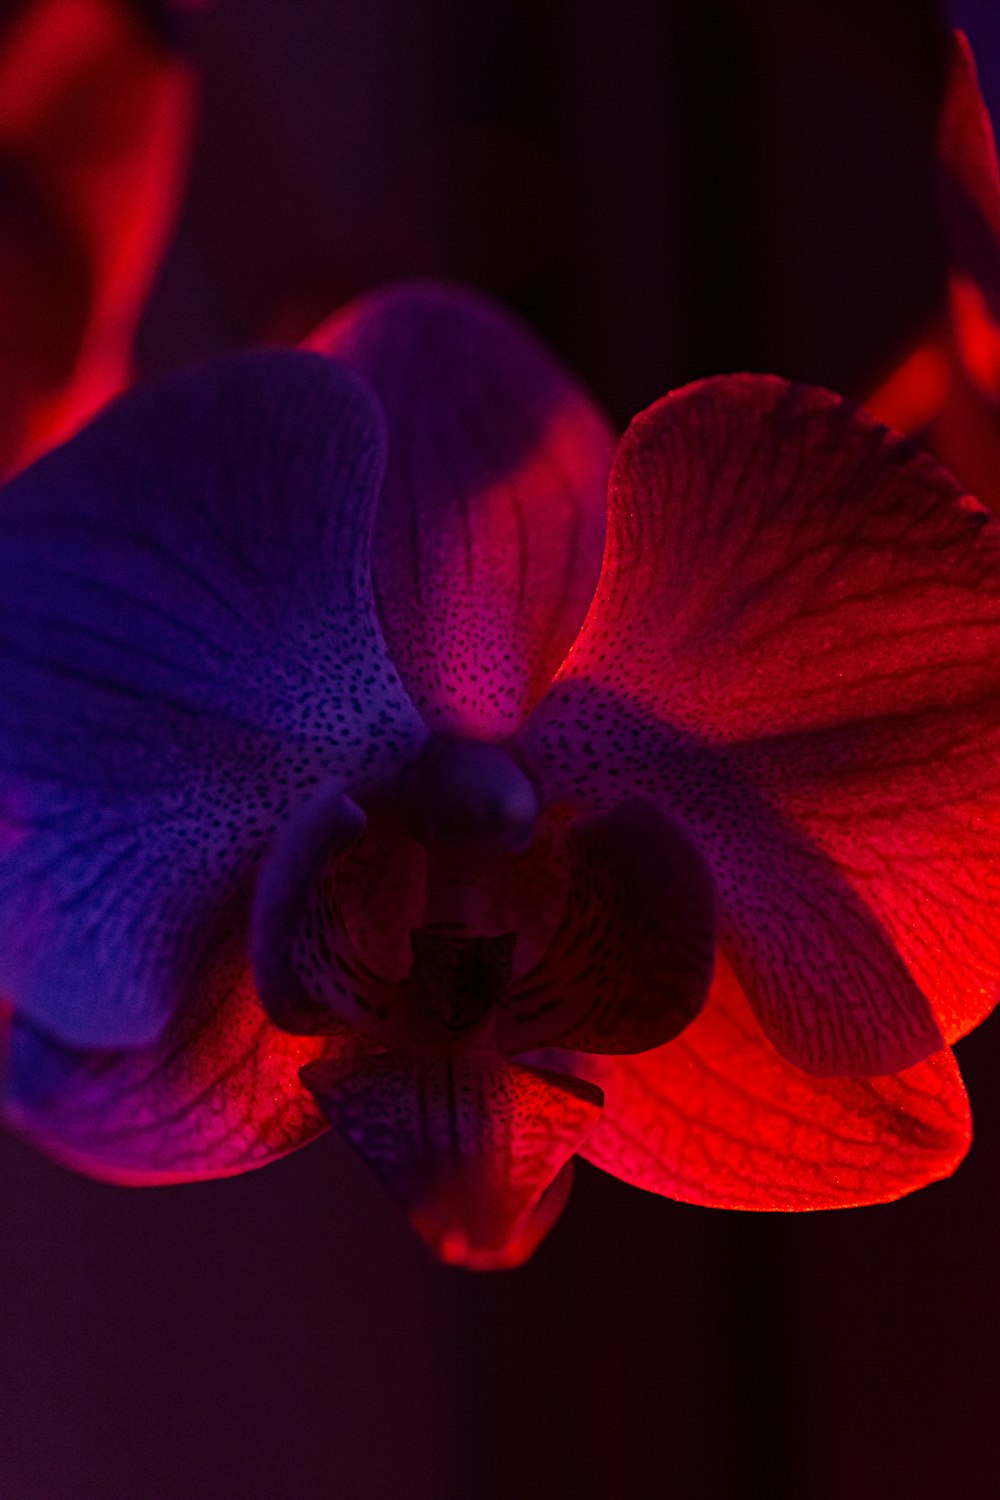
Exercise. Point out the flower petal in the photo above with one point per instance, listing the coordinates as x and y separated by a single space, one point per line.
794 649
187 646
309 973
468 1143
718 1117
490 528
631 961
969 175
96 112
218 1094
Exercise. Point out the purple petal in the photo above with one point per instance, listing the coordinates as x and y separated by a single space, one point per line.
490 529
218 1093
188 645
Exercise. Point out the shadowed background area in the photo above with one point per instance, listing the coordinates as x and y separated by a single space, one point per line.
665 190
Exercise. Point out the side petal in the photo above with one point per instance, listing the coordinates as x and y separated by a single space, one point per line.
188 645
718 1117
218 1094
631 961
309 973
473 1147
490 529
96 114
800 617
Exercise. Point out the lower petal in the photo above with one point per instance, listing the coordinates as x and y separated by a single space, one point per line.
470 1145
218 1094
719 1118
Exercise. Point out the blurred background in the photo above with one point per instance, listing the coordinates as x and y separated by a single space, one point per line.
665 189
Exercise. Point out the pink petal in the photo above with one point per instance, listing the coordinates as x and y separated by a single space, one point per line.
491 522
793 648
718 1117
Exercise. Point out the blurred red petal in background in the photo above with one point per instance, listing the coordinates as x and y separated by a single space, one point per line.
947 390
96 114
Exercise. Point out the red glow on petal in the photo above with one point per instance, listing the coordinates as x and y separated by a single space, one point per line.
969 175
977 336
219 1094
97 119
796 603
913 393
718 1117
471 1146
454 1247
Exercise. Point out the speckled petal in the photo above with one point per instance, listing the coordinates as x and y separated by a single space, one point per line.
794 649
490 529
468 1143
718 1117
218 1094
188 645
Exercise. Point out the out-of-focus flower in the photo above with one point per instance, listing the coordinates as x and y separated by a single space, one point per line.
96 108
948 389
341 782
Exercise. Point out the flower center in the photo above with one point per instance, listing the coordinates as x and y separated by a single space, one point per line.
459 980
470 803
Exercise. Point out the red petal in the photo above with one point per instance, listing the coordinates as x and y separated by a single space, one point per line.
490 528
965 432
970 179
718 1117
913 393
794 648
218 1094
468 1143
95 125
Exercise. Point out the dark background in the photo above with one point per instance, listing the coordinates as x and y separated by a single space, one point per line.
665 190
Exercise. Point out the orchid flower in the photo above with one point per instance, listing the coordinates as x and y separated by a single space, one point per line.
96 110
351 775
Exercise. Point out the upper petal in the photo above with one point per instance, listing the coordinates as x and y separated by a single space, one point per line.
188 644
490 529
718 1117
96 110
798 625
